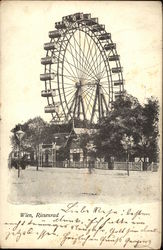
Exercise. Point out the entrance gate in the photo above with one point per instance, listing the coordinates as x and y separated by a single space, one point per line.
47 155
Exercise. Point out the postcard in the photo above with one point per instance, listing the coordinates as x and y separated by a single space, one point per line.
81 105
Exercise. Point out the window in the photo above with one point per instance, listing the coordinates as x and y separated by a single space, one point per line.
76 156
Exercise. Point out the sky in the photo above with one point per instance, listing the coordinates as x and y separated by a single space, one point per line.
135 28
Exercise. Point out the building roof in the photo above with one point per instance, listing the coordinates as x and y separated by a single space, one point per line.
75 144
79 131
61 138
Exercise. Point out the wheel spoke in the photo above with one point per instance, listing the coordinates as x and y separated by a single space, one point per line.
89 103
90 54
77 60
83 76
86 67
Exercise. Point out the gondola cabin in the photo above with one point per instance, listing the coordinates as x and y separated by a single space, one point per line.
105 36
50 46
73 18
110 46
97 28
47 76
78 16
87 16
48 93
117 70
60 25
69 18
118 82
118 94
114 58
47 60
92 21
54 34
52 108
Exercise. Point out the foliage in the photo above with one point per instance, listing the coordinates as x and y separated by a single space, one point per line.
63 154
149 133
84 139
129 117
37 131
33 131
120 120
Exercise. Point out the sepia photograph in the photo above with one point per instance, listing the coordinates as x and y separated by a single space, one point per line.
81 104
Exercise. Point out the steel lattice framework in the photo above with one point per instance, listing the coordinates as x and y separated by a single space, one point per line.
82 70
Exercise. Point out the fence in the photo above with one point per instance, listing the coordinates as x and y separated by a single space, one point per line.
133 166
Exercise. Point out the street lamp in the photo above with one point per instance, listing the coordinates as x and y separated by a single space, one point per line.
127 143
55 150
19 134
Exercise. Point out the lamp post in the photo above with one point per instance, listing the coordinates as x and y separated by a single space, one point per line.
19 134
127 142
55 150
38 150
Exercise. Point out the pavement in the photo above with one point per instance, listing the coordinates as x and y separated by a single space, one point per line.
52 185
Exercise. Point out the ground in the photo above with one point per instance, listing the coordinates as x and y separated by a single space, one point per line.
50 185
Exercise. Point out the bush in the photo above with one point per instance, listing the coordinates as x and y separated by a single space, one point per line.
23 162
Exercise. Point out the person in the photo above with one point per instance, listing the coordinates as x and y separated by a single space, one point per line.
90 166
66 164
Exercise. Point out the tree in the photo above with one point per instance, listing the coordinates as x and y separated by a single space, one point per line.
148 136
129 117
63 153
51 129
14 140
126 117
38 131
84 139
33 130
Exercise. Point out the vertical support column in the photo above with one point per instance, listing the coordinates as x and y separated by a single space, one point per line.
81 156
127 161
71 156
141 165
19 160
41 160
94 105
54 155
99 101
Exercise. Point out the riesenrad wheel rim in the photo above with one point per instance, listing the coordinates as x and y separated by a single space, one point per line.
71 30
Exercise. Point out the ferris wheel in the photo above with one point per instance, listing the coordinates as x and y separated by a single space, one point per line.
82 70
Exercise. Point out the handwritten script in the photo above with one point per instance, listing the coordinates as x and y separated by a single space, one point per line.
78 225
